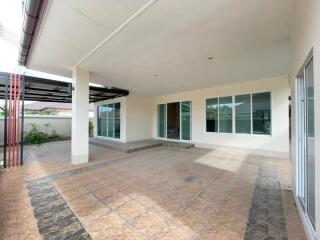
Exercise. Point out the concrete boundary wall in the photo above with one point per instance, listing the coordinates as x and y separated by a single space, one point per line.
45 123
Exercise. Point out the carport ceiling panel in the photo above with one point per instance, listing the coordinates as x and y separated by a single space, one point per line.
72 28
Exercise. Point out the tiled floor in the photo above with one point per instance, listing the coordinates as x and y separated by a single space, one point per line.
160 193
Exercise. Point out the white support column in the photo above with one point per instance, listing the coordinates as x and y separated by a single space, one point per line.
80 116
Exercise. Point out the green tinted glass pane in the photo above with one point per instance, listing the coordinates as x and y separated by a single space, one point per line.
225 115
103 111
117 120
161 120
110 120
309 81
98 121
261 113
186 120
212 115
243 113
102 121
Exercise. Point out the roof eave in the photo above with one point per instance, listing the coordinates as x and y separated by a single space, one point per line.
33 12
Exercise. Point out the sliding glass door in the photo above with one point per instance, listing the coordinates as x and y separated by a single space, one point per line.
305 140
309 82
174 120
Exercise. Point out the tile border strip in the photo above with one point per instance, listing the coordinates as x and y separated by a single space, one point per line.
55 219
266 218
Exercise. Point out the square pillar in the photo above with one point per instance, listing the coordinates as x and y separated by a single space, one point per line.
80 116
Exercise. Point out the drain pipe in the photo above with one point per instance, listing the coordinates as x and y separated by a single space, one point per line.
33 11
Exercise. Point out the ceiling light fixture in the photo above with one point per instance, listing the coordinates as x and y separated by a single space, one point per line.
210 58
155 75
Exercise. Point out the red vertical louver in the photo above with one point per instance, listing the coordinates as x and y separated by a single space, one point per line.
13 130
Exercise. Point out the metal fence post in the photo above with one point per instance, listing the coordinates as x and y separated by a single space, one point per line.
5 123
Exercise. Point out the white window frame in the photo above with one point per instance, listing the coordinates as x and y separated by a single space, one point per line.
113 138
234 116
300 171
166 110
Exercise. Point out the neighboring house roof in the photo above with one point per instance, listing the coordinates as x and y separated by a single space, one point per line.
41 106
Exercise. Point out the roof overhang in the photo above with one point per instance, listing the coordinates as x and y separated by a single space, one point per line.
47 90
33 12
158 47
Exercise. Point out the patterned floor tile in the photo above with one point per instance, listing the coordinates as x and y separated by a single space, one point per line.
163 193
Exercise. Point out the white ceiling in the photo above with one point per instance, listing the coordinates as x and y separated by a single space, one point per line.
172 39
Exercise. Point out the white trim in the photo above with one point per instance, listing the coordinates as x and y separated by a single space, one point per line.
165 120
307 225
180 118
190 120
300 121
114 120
218 115
302 151
233 117
251 120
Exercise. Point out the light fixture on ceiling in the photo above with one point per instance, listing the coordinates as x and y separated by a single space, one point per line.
155 75
210 58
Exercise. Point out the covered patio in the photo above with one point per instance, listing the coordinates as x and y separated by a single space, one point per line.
218 138
159 193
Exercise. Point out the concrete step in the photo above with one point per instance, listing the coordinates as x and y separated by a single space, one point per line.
182 145
125 147
138 145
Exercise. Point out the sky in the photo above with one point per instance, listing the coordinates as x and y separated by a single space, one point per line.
10 31
11 19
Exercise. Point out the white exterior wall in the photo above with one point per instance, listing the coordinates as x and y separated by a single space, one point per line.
306 36
139 120
61 125
139 117
135 117
277 144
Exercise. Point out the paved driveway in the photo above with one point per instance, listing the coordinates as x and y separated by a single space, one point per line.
160 193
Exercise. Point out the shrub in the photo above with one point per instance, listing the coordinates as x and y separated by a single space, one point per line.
90 129
35 136
3 111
